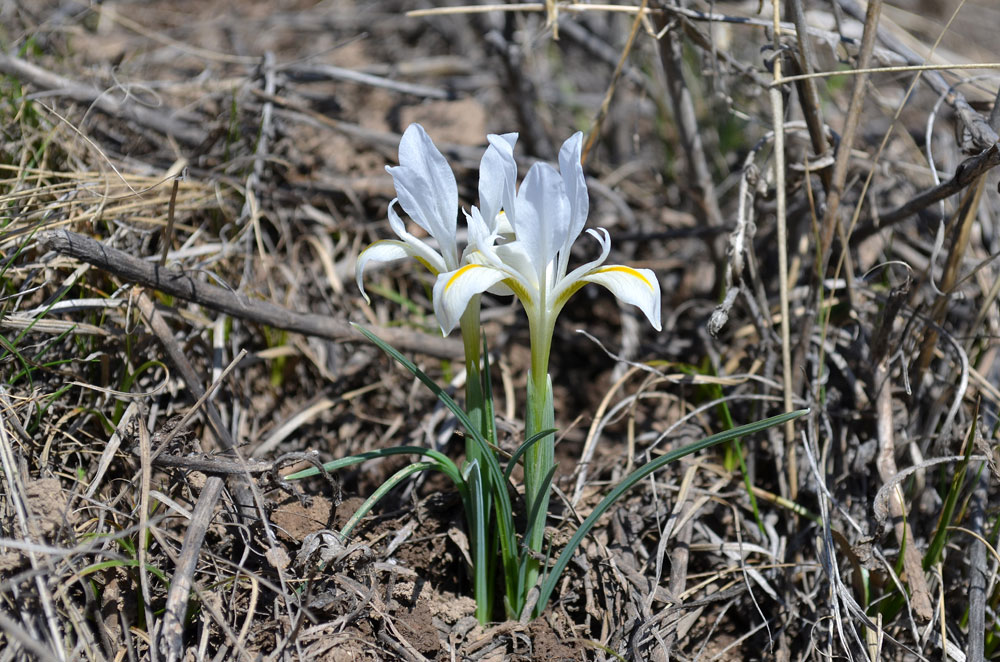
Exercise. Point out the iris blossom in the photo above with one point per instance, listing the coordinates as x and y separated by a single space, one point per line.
547 214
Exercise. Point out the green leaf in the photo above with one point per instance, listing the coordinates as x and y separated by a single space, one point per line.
477 526
528 443
382 490
549 584
445 464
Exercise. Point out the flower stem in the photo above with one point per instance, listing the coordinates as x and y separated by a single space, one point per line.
540 458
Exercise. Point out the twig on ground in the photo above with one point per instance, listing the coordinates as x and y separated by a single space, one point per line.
671 55
524 96
831 218
245 495
249 219
809 99
306 72
966 215
185 286
171 642
981 134
602 112
780 195
603 51
21 510
976 568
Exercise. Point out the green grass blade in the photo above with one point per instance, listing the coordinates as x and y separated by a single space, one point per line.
549 584
477 530
940 538
445 464
528 443
382 490
489 411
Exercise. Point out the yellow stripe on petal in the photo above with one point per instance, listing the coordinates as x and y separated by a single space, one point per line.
455 276
430 268
625 270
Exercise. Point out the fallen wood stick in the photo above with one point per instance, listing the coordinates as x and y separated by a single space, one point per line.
185 286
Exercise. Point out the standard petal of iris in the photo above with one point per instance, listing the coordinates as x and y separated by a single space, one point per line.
576 186
381 251
496 169
504 148
417 151
638 287
543 215
480 234
426 188
454 289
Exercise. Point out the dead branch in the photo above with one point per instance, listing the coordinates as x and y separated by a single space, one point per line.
186 286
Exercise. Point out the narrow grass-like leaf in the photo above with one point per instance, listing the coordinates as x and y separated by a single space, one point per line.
528 443
477 529
445 464
120 563
549 584
538 500
937 544
382 490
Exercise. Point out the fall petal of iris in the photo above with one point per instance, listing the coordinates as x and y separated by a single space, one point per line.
638 287
381 251
454 289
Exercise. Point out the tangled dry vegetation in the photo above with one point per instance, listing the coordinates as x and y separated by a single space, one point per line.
185 187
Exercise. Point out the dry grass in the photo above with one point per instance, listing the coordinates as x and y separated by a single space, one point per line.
850 235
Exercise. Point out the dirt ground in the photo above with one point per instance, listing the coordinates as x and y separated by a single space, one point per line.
185 188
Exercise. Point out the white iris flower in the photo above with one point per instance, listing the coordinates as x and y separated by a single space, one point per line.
547 214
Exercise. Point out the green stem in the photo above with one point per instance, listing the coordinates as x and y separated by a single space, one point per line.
471 339
540 458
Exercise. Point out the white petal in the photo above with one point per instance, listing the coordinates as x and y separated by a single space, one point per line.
504 228
381 251
497 171
576 188
543 215
501 290
638 287
572 277
480 234
454 289
426 187
517 258
430 258
504 147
